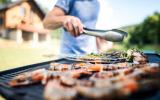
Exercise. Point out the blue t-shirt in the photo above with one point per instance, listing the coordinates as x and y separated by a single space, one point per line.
87 11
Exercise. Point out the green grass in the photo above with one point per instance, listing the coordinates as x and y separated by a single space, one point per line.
20 55
14 57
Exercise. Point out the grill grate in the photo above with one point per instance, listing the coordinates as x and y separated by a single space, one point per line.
9 74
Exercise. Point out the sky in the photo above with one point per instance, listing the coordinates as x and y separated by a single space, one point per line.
120 13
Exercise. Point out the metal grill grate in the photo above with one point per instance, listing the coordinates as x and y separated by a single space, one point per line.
9 74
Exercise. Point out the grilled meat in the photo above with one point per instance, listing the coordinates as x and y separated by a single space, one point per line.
95 93
67 81
28 78
88 83
55 91
60 67
95 68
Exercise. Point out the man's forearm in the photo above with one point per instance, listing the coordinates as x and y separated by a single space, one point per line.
53 22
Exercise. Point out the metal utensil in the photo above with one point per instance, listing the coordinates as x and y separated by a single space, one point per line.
114 35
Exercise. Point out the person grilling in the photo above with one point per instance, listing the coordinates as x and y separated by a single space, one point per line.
73 15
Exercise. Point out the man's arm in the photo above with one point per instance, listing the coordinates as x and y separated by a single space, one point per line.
54 19
57 18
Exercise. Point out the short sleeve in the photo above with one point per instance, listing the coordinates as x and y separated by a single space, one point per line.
63 4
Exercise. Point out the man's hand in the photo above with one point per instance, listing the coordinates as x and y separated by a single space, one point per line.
73 25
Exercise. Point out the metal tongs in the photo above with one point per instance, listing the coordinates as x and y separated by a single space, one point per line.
114 35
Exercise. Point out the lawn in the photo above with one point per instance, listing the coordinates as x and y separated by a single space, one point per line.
12 56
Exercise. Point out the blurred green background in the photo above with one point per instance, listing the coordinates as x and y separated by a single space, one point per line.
145 35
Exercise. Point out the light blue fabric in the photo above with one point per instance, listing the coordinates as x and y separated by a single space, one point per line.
87 11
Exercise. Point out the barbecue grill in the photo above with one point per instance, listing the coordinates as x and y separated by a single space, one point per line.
35 91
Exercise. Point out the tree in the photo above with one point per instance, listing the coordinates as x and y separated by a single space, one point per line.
147 32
